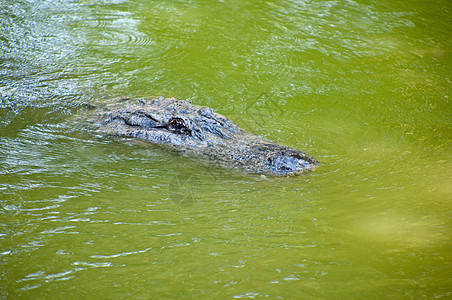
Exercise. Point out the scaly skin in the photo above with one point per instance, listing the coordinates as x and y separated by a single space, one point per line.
198 129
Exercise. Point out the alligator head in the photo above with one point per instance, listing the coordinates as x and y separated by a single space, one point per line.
198 129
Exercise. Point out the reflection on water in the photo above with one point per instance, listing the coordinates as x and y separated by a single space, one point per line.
365 87
37 55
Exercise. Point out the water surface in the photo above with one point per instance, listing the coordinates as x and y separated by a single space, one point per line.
364 86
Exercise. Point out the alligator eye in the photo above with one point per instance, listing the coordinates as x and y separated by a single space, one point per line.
177 125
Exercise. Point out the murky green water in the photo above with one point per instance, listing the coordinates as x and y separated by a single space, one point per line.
364 86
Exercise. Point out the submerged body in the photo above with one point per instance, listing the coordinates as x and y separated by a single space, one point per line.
187 127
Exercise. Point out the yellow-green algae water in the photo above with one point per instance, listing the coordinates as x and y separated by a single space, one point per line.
364 86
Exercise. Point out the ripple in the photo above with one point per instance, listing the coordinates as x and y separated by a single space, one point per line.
116 28
37 49
141 39
122 254
103 23
116 37
331 28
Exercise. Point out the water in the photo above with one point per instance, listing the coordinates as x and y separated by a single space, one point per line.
364 86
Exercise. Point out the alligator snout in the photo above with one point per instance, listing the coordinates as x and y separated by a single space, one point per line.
290 162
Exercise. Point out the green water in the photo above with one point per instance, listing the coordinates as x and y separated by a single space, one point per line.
363 86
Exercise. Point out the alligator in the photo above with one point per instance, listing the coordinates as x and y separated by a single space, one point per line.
197 129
